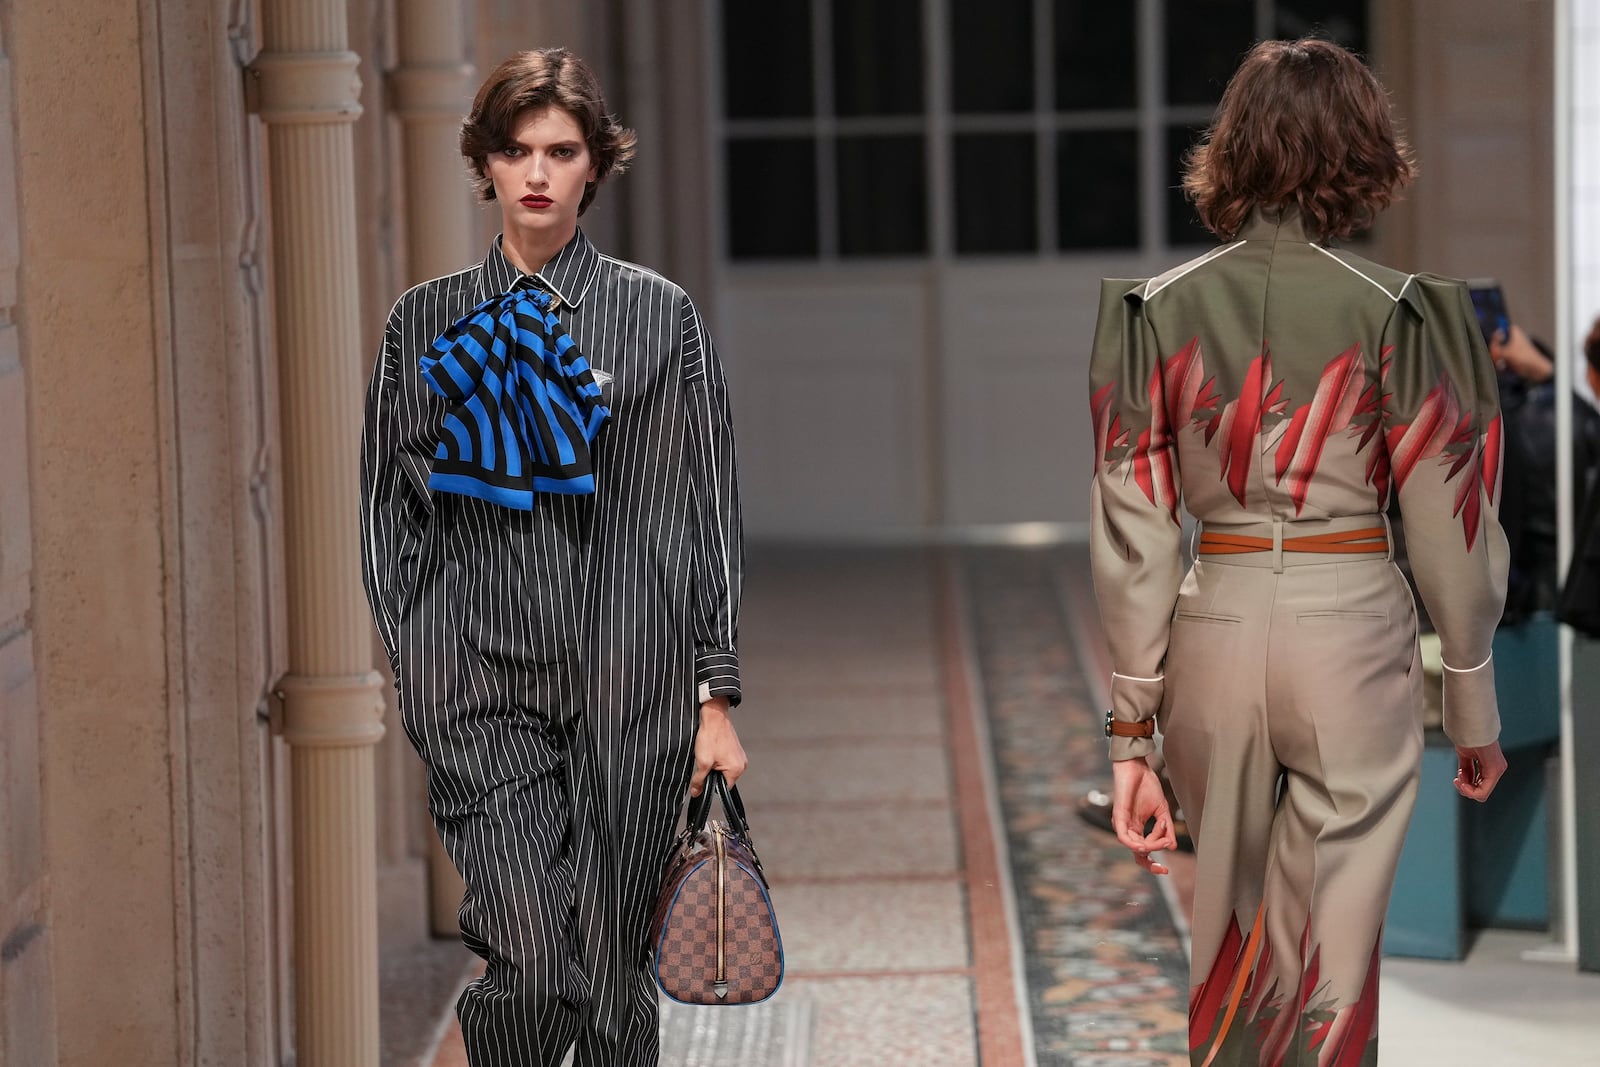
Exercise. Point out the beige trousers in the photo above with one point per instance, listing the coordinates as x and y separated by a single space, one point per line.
1293 738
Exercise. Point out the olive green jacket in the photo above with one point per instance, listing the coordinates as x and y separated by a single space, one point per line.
1276 378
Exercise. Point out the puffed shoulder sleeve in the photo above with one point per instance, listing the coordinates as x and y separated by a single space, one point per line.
1133 506
1442 433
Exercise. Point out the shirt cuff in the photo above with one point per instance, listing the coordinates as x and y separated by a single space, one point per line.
1131 748
1134 699
1471 711
716 674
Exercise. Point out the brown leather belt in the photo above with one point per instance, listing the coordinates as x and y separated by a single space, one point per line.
1280 543
1343 542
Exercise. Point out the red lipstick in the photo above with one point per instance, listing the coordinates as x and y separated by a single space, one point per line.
536 200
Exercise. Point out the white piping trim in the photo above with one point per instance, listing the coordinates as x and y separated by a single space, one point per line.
1207 258
1392 296
1467 670
1131 678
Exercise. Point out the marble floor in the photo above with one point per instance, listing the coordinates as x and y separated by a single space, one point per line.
1504 1004
920 724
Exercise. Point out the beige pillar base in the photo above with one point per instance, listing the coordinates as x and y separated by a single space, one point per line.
332 726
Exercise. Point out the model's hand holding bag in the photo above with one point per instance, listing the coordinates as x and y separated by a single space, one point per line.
715 935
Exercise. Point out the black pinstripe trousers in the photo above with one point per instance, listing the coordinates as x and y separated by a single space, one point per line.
559 823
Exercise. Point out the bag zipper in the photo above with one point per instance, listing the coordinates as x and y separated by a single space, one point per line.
720 984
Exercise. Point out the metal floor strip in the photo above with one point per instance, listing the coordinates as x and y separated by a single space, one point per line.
776 1033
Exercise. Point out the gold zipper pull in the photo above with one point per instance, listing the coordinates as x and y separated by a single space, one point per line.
720 984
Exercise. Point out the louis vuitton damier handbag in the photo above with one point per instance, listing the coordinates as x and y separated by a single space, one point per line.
715 935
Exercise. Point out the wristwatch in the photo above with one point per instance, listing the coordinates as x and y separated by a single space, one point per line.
1117 728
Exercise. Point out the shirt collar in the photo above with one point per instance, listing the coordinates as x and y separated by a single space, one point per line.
568 275
1268 224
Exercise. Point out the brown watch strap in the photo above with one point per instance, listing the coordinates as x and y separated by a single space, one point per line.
1117 728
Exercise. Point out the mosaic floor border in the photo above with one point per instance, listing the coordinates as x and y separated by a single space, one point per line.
1107 982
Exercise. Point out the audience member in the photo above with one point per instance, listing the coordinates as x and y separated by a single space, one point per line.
1579 606
1528 503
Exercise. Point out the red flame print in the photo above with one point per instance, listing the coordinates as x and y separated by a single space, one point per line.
1444 430
1241 423
1333 407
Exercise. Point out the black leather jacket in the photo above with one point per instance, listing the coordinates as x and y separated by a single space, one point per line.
1528 504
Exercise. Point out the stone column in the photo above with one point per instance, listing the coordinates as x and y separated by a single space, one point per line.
304 86
430 90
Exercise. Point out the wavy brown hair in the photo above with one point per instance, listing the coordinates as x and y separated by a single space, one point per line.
532 81
1305 125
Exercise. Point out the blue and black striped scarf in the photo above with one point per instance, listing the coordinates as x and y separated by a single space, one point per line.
525 406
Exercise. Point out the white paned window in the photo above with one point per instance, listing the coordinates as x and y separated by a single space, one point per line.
910 129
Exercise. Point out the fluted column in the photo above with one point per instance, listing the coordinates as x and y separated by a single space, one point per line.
304 87
430 90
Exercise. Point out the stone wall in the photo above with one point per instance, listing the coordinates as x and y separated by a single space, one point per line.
141 877
218 456
26 1015
97 487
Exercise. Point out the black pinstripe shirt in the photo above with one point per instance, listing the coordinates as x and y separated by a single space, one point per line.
660 542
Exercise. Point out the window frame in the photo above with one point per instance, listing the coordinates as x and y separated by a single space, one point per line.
939 124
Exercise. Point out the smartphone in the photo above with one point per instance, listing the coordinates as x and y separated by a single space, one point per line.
1489 301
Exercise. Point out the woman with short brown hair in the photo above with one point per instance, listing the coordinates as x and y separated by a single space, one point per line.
532 81
553 556
1282 389
1302 125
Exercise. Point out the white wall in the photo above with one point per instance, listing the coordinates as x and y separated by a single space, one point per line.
1585 167
915 400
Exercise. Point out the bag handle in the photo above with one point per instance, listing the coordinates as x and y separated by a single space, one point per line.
732 806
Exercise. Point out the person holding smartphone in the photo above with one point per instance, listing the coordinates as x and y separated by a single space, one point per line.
1579 606
1526 367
